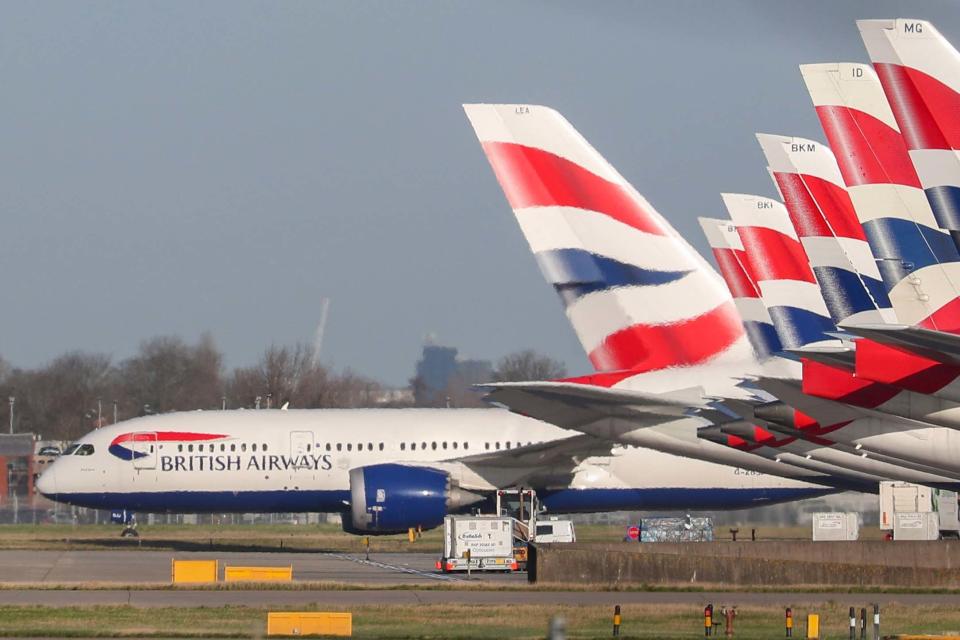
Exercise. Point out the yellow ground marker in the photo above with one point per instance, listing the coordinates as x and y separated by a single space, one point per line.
186 571
312 623
813 626
257 574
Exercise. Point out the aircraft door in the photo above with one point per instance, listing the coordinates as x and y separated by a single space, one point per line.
144 450
301 446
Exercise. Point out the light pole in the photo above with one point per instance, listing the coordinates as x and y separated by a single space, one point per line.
269 400
99 412
11 399
114 412
223 403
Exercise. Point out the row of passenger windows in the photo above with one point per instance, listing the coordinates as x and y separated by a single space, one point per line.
433 446
340 446
211 448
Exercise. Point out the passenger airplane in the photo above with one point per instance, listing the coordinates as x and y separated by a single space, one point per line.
385 469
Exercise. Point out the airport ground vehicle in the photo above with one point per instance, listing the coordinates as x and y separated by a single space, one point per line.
479 543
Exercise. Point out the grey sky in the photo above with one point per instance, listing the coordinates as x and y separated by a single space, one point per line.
180 167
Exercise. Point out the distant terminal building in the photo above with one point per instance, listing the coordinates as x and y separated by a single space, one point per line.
17 464
439 371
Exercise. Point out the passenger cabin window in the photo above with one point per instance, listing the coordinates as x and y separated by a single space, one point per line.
69 450
349 446
263 447
444 444
423 445
233 447
498 446
369 446
328 446
223 447
339 447
381 446
84 450
190 448
243 446
466 445
403 446
454 444
413 446
253 447
433 445
486 445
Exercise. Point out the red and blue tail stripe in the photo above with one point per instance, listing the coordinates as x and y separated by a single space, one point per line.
731 258
777 263
638 296
822 214
876 166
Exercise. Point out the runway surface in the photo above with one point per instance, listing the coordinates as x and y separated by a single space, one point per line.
383 570
127 567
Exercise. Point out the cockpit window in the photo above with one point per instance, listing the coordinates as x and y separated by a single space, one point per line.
85 450
70 450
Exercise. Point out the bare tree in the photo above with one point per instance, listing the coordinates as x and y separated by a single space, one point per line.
528 365
170 375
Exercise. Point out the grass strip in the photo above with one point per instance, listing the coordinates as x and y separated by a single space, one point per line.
454 621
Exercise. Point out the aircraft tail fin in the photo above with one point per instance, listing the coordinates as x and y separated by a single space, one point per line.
779 266
639 297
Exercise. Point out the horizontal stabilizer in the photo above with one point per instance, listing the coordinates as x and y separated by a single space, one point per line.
568 404
935 345
841 357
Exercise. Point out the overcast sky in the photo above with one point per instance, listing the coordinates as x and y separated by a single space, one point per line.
181 167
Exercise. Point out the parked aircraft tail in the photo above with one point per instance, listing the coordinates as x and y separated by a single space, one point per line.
639 297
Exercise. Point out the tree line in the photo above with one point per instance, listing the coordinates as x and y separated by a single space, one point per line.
78 390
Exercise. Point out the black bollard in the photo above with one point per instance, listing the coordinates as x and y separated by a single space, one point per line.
853 623
876 622
863 624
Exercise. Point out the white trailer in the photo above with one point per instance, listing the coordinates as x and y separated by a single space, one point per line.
907 498
478 543
835 526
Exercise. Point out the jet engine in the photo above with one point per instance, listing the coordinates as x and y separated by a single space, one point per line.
391 498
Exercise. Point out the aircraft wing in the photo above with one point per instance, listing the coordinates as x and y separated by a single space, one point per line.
935 345
569 451
569 405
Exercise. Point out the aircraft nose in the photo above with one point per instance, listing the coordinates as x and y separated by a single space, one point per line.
47 482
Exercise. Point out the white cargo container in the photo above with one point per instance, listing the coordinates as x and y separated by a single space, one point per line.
923 525
906 497
835 526
487 541
554 530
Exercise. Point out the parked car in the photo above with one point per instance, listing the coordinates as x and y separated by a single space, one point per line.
49 451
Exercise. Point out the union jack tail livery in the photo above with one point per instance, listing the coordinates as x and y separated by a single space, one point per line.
920 73
807 176
919 263
638 296
777 263
730 256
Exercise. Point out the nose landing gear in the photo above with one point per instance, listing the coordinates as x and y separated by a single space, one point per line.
128 519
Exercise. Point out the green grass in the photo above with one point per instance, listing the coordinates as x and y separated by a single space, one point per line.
265 537
454 621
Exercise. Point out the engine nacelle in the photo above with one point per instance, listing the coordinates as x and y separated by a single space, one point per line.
391 498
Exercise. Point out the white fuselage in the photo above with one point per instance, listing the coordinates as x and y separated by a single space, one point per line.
299 460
